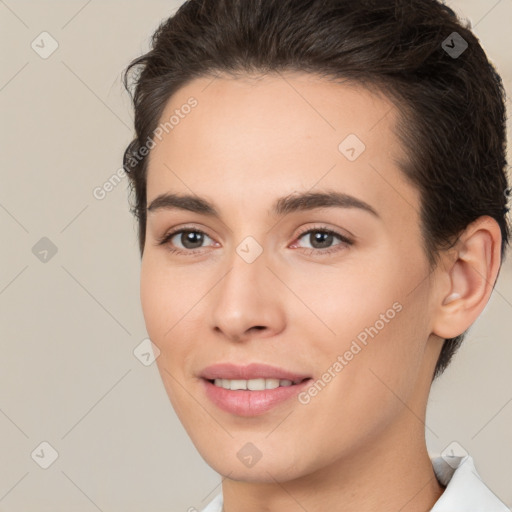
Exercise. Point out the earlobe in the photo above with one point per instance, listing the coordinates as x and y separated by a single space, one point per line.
471 275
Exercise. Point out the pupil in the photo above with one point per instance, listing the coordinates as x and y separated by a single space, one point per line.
188 238
319 235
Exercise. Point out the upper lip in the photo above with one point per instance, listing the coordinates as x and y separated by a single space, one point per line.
250 371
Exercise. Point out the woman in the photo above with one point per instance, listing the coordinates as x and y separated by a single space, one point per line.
321 199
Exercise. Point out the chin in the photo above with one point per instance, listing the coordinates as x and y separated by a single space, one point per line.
236 464
260 473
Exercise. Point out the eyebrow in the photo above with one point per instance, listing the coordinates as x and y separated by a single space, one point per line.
292 203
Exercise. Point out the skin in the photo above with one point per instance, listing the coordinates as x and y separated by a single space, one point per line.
361 440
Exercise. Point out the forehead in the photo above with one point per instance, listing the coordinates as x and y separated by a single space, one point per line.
258 135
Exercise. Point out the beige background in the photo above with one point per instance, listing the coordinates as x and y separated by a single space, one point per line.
68 375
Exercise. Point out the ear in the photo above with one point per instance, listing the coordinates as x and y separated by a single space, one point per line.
469 277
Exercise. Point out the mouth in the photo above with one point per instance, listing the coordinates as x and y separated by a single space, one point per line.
252 397
250 390
259 384
253 374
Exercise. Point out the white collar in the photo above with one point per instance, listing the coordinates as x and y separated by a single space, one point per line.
465 491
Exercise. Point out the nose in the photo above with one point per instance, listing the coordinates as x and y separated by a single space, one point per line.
248 301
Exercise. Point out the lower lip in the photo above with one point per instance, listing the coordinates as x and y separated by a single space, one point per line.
250 403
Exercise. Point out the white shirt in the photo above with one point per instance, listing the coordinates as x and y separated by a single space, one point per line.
465 491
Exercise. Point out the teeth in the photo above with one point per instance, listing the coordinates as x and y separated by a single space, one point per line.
252 384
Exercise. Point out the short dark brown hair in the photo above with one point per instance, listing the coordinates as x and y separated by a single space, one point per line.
451 106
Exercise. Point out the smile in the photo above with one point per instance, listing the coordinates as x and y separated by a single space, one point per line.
253 397
252 384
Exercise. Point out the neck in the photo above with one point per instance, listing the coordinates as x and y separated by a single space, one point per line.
392 473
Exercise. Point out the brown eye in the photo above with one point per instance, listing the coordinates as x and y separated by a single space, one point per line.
185 240
321 241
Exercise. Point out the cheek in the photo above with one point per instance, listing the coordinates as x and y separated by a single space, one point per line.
151 298
167 301
162 308
379 333
159 299
370 387
349 301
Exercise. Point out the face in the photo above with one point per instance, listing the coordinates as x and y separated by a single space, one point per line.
331 291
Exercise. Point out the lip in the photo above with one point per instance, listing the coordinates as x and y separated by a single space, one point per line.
250 371
250 403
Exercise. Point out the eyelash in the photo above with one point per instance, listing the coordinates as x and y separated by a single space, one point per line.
164 240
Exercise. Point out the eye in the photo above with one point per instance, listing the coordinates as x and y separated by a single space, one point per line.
321 239
190 240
